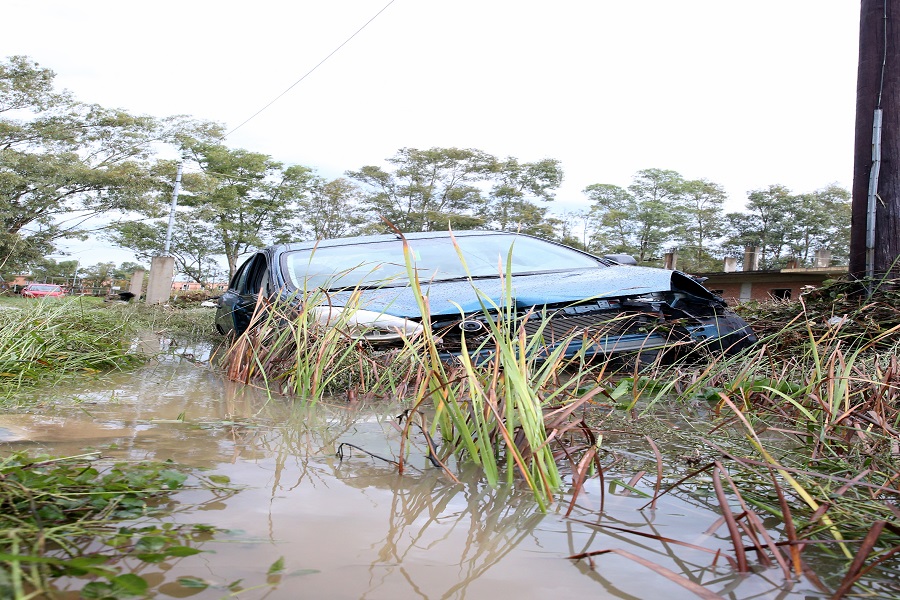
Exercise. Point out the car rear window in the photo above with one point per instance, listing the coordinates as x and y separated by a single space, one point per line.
436 259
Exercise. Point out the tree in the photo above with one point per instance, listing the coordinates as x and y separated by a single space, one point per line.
821 221
699 221
63 162
509 206
656 193
766 224
47 270
428 189
246 199
127 269
194 247
609 219
97 273
638 220
332 208
571 228
787 226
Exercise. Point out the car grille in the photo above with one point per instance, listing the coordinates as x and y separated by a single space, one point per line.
605 330
558 327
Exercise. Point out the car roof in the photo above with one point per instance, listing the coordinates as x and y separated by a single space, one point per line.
365 239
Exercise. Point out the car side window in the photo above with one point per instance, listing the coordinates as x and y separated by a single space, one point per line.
257 275
240 277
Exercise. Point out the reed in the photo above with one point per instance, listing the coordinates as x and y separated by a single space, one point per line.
288 350
493 404
809 422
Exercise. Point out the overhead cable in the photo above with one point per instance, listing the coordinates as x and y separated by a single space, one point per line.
308 73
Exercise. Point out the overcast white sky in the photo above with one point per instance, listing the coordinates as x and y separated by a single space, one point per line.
745 94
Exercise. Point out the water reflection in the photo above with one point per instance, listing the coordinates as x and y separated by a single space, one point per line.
351 527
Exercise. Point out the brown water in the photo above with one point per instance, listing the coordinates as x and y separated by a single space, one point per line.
352 527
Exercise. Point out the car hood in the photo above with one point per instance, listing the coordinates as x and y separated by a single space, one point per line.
449 297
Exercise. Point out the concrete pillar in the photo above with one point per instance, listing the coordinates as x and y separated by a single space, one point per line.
162 272
671 260
136 286
751 258
730 265
823 257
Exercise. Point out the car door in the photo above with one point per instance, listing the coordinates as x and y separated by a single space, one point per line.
238 302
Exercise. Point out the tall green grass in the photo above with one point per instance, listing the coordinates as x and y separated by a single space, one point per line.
289 350
45 341
811 428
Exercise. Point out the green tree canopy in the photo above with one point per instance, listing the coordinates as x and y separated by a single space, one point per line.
510 205
332 208
639 220
235 201
64 162
428 189
699 224
765 225
787 226
194 246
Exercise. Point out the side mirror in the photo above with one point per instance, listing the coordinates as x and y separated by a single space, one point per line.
622 259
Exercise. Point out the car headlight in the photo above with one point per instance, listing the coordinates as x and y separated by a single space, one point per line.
367 324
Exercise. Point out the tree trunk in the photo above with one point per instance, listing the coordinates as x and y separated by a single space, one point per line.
878 86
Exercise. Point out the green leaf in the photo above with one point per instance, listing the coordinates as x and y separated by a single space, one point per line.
277 566
172 479
129 584
151 543
120 586
152 557
182 551
97 589
192 583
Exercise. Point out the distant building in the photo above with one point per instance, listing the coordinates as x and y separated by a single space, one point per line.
781 284
774 284
193 286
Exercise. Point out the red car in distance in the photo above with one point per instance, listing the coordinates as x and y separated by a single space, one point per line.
42 290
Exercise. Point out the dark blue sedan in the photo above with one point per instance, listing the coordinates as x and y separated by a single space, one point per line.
594 305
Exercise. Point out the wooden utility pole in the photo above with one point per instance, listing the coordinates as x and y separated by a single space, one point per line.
875 222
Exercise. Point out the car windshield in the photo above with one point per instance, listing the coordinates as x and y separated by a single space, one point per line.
382 263
43 288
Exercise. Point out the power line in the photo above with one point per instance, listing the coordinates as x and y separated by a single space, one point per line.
308 73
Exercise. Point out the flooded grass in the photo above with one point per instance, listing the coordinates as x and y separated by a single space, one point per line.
794 443
801 429
346 524
44 341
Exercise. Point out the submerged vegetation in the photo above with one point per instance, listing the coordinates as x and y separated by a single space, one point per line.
802 428
73 517
796 439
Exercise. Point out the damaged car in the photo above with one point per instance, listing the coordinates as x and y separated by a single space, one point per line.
595 306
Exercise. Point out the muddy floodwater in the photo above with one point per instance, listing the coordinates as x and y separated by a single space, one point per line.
349 526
